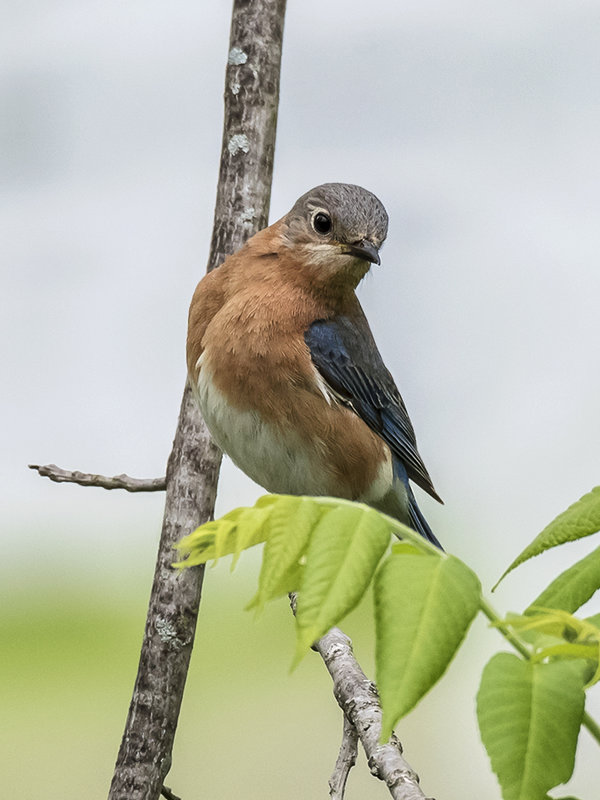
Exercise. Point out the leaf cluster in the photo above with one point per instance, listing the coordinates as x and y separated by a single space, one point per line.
329 551
530 705
531 709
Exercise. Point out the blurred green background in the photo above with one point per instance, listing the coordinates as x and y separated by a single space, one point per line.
247 728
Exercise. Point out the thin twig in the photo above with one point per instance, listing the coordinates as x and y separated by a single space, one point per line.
166 792
345 761
59 475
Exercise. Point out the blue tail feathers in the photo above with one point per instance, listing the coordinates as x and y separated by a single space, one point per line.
416 519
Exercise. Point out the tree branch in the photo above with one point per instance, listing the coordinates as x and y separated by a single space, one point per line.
59 475
242 205
357 697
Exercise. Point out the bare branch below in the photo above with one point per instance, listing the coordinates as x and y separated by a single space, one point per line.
60 475
345 761
357 697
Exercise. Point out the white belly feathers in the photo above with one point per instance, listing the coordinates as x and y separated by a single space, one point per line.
279 462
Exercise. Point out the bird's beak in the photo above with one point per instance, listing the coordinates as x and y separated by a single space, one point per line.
363 249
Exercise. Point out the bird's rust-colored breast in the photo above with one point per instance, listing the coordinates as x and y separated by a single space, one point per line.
247 321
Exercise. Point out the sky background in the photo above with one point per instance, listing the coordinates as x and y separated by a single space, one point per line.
477 124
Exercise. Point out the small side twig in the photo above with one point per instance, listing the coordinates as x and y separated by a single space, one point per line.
123 481
166 792
345 761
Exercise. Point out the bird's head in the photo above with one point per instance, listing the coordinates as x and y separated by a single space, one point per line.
336 230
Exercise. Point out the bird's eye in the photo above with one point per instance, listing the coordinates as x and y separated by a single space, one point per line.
322 222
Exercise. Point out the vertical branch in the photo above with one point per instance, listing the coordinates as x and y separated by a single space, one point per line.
251 104
242 205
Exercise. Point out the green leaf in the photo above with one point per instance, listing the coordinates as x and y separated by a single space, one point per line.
594 620
239 529
423 607
291 581
291 523
579 520
406 548
587 651
570 797
558 634
343 553
574 586
529 717
394 526
552 622
252 528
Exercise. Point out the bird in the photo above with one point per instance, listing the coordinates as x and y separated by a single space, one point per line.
285 369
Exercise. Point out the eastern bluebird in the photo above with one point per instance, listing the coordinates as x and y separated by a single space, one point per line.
285 368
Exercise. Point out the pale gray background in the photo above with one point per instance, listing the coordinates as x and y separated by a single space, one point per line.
476 123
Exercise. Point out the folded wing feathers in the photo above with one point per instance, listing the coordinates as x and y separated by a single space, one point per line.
369 389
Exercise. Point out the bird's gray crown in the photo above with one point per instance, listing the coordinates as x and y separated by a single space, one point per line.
355 212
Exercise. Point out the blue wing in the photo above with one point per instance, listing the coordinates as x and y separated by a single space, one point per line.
345 354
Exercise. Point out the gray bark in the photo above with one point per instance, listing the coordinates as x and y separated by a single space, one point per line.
345 761
357 697
59 475
242 206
